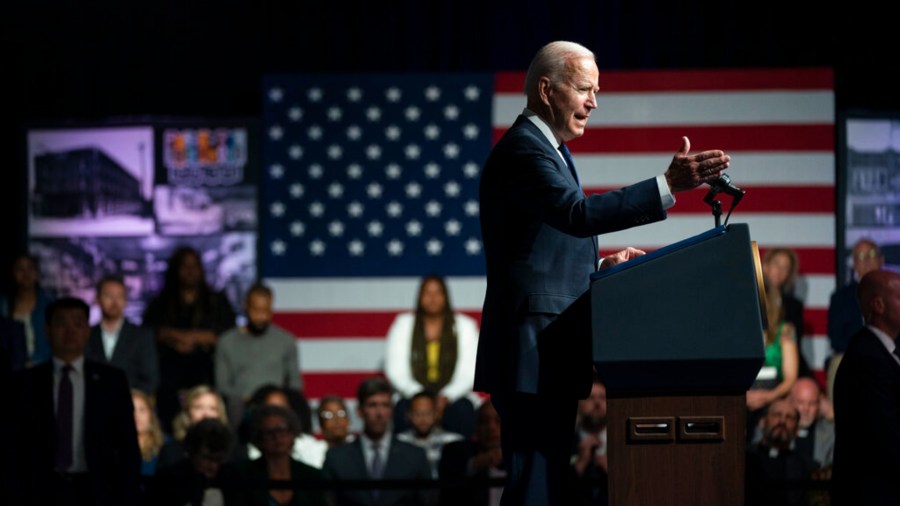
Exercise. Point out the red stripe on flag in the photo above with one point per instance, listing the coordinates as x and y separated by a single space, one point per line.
815 321
342 324
644 139
694 80
759 199
343 384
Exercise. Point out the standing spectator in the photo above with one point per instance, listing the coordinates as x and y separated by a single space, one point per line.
867 399
256 354
273 430
187 317
73 439
27 303
13 352
150 435
433 350
844 316
477 458
424 431
772 462
118 342
780 267
376 454
589 458
334 420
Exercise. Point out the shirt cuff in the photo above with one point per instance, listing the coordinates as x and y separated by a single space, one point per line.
665 196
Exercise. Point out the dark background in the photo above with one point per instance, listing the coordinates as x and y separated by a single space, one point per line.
125 60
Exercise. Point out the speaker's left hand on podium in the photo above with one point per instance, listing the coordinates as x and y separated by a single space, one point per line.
621 256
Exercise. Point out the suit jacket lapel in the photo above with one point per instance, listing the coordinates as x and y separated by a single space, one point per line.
95 344
120 351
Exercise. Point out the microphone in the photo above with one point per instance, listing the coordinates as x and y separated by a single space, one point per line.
723 184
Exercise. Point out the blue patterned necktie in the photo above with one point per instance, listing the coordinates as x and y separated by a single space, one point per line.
568 156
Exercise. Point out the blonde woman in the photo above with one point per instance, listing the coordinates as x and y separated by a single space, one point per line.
197 403
149 432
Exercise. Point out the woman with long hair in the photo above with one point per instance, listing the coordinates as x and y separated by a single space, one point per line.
25 302
433 349
149 432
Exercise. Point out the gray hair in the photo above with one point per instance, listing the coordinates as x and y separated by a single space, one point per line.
551 61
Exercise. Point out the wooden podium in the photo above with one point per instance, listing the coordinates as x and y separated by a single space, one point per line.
677 339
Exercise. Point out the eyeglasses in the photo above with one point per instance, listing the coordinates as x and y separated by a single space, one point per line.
329 415
276 432
867 255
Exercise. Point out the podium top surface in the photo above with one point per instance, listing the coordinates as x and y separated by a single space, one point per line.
665 250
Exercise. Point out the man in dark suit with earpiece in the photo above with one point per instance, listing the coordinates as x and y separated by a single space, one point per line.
539 232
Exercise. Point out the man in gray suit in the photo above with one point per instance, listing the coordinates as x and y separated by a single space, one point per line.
539 232
120 343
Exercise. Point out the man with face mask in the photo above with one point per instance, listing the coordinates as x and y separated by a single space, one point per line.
256 354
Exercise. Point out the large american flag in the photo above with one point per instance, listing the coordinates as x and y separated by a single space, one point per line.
370 182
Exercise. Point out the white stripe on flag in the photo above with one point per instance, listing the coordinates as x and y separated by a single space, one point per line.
694 108
776 169
345 354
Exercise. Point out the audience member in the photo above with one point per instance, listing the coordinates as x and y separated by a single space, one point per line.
867 399
780 267
199 403
424 431
187 316
476 458
334 420
307 449
589 458
256 354
844 316
779 370
13 351
772 462
377 454
273 430
72 440
118 342
27 302
204 476
433 349
149 433
815 436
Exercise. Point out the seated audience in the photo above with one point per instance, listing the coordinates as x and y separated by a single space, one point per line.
772 461
433 349
118 342
187 317
204 476
200 402
815 436
150 435
377 454
257 354
273 430
780 267
477 457
589 458
424 431
306 449
334 420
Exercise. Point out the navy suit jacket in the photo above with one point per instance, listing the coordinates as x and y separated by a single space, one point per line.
539 230
110 440
404 462
867 424
134 353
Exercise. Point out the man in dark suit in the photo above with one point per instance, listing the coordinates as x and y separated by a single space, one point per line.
538 229
74 440
377 455
118 342
867 399
844 316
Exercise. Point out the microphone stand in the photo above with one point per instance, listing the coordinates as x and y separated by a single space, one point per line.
715 204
